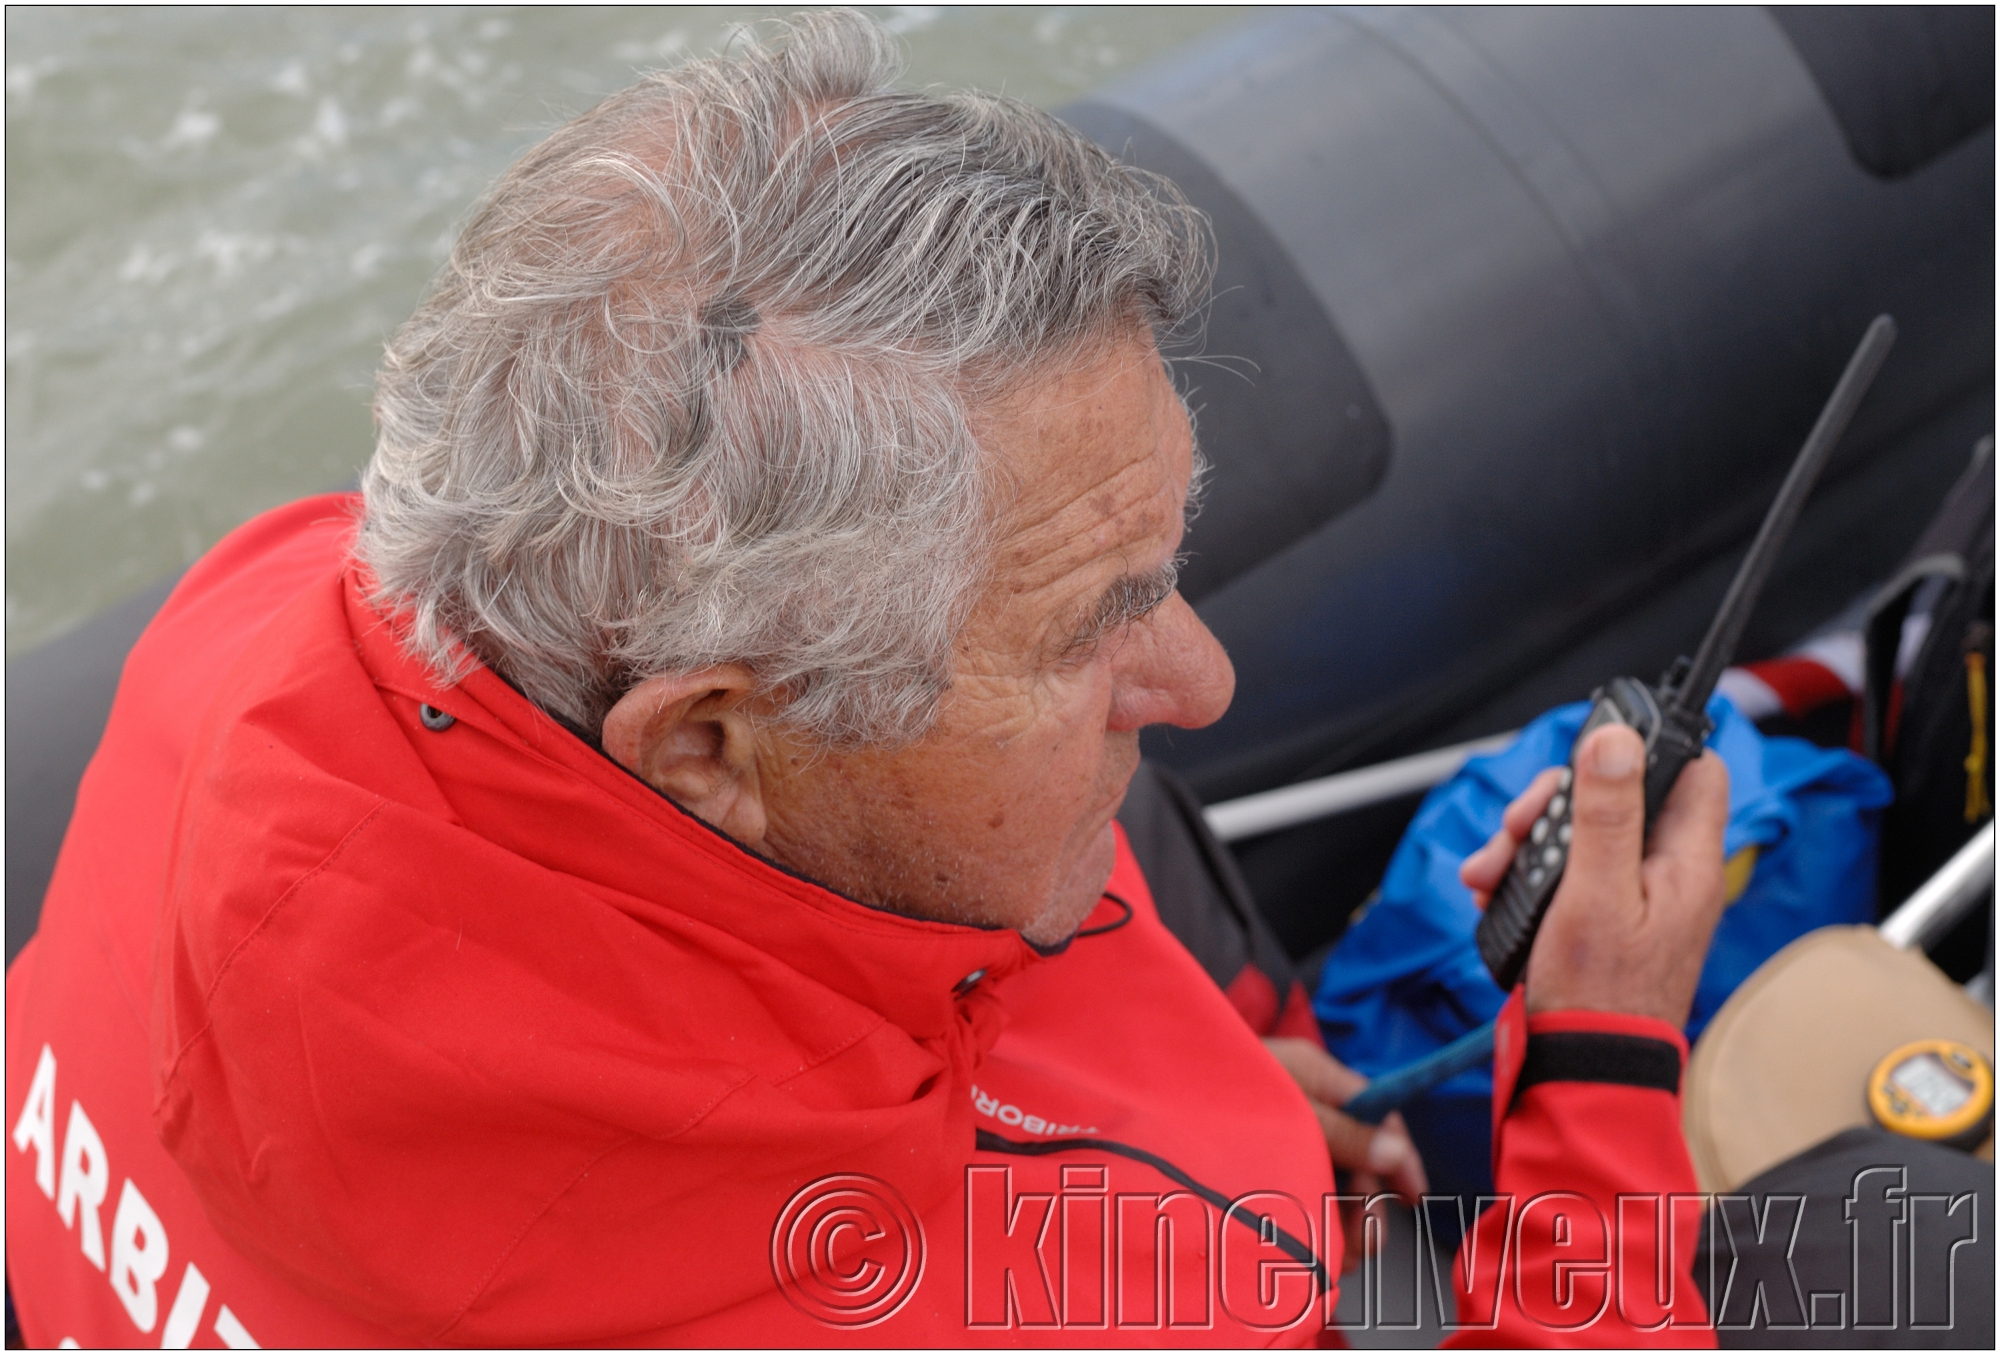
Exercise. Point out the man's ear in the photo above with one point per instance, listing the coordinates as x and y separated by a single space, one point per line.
687 735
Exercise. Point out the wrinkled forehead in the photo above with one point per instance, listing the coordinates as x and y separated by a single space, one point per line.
1095 464
1090 439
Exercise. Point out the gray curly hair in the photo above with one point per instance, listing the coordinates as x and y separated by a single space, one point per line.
695 385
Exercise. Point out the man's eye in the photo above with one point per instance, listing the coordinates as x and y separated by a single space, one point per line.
1129 599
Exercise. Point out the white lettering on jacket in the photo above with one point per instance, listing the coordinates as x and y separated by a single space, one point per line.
37 1126
1013 1116
84 1179
185 1316
138 1256
139 1248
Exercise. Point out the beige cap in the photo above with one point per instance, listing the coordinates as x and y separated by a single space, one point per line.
1784 1065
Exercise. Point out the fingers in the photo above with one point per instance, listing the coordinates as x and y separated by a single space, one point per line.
1609 815
1386 1151
1696 812
1529 804
1628 933
1686 855
1484 869
1409 1180
1327 1082
1320 1076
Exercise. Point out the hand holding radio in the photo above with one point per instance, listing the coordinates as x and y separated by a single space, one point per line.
1625 932
1668 719
1605 882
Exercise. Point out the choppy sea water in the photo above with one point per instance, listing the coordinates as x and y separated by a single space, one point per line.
216 216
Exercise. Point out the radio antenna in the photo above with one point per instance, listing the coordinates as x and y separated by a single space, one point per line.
1720 642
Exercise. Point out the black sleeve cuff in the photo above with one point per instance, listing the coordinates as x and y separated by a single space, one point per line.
1591 1056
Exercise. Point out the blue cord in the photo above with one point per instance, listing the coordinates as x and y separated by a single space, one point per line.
1372 1104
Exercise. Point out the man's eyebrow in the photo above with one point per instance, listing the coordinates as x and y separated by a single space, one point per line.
1131 596
1125 600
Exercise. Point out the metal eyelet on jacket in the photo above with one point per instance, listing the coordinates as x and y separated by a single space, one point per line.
965 985
435 720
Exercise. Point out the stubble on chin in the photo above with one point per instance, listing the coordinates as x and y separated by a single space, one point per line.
1076 897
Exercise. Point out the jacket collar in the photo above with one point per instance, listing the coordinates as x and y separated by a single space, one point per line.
644 850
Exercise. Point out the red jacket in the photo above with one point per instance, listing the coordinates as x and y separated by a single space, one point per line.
345 1028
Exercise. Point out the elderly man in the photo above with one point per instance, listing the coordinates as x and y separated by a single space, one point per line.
656 881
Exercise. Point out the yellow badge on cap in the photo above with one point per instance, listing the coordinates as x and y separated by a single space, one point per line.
1939 1090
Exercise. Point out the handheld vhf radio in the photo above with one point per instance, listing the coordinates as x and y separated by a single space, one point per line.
1672 718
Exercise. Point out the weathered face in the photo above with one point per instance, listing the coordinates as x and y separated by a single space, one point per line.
1002 814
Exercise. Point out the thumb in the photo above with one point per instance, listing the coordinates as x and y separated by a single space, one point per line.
1608 818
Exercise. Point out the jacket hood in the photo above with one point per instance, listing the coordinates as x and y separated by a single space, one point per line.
436 1012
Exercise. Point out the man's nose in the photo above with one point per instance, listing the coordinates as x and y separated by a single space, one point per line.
1170 670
